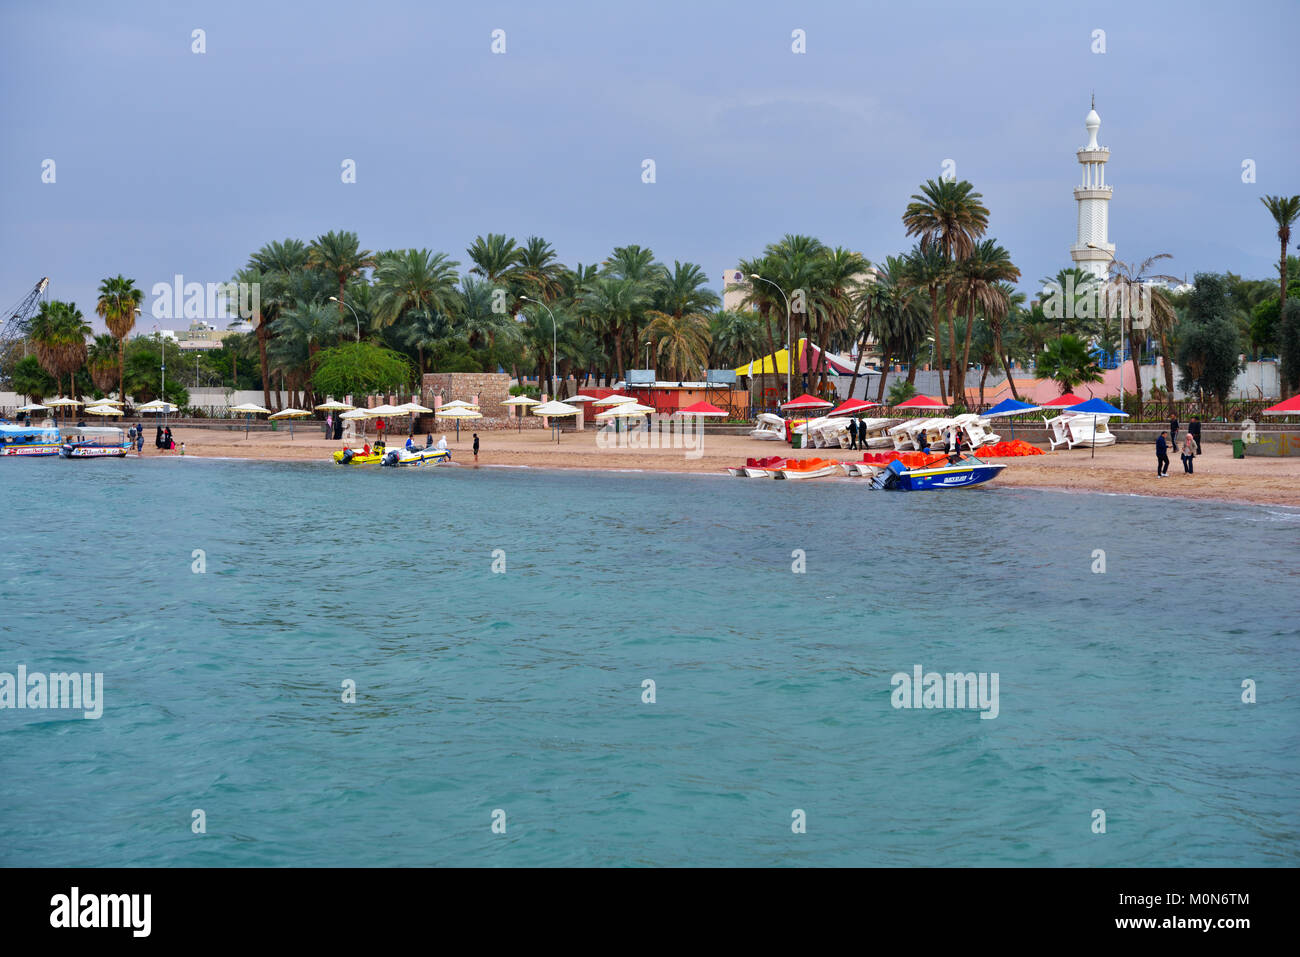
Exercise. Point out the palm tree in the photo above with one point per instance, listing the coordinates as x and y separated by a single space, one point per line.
498 259
104 360
300 333
415 279
275 269
997 319
1285 210
980 279
681 342
894 314
736 337
950 216
839 279
59 331
339 254
118 300
423 331
1069 362
1127 285
926 268
540 270
610 305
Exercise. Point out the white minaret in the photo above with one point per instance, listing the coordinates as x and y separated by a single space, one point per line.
1092 249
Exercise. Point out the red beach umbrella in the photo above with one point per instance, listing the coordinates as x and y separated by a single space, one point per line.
807 401
1062 401
701 408
1290 407
921 402
851 406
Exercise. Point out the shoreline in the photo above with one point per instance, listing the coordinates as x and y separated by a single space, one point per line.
1117 470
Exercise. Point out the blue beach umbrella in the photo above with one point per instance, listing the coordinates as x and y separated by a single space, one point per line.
1095 407
1010 407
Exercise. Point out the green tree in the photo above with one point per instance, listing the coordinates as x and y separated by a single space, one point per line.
1288 347
104 362
59 331
415 279
29 378
339 255
117 304
1284 210
1069 362
359 369
1209 355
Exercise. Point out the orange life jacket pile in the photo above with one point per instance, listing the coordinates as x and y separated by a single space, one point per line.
1012 449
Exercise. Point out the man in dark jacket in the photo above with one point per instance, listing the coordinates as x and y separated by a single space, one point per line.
1195 429
1162 456
1173 431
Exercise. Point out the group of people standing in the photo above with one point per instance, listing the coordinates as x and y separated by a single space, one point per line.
333 427
163 440
857 434
1190 448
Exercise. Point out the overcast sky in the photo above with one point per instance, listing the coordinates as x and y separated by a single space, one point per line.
169 161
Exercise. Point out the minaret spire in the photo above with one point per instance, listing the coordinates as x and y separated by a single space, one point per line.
1093 250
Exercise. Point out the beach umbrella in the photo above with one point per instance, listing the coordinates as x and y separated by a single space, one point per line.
59 402
701 408
249 410
414 409
1063 401
853 406
291 414
458 404
807 401
554 409
103 410
613 400
921 402
34 407
1095 407
522 401
458 413
106 402
581 398
1290 407
333 406
624 410
1009 407
358 415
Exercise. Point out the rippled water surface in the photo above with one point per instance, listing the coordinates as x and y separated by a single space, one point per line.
522 690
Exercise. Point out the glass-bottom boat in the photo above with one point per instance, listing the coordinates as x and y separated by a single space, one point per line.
29 440
94 442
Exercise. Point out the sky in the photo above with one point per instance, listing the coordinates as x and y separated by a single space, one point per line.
168 161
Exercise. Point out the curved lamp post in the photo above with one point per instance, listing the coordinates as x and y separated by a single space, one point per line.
554 335
789 359
353 311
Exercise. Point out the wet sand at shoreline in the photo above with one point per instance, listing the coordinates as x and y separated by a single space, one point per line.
1120 469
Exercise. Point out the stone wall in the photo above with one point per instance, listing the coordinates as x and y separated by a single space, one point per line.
492 388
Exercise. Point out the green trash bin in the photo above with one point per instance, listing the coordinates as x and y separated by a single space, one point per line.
796 441
1238 449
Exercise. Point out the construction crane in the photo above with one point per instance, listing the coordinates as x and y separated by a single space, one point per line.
17 319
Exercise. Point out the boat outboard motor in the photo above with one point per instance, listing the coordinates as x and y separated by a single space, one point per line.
348 456
390 457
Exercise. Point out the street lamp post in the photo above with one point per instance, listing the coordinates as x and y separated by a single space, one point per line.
354 313
647 353
789 359
1121 330
554 335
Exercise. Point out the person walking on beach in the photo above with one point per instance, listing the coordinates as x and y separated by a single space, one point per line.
475 446
329 425
1189 452
158 439
1173 431
1194 429
139 441
1162 456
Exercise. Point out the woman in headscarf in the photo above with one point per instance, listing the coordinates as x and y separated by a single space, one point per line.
158 439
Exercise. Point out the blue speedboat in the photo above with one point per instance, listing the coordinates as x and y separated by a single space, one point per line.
962 474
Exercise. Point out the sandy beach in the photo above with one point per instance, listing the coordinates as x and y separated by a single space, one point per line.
1120 469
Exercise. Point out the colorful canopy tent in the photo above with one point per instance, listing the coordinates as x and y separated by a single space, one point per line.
1095 407
921 402
1289 407
853 407
809 361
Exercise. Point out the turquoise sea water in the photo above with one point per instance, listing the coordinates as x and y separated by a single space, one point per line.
522 690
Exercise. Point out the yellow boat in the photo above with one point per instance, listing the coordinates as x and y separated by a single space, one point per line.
359 456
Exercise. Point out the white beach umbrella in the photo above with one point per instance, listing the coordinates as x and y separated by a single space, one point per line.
248 410
103 410
555 409
458 413
458 404
580 398
624 410
352 414
414 407
613 400
157 405
333 406
290 414
34 407
520 402
106 402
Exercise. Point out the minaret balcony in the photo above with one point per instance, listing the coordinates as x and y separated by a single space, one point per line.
1092 192
1098 154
